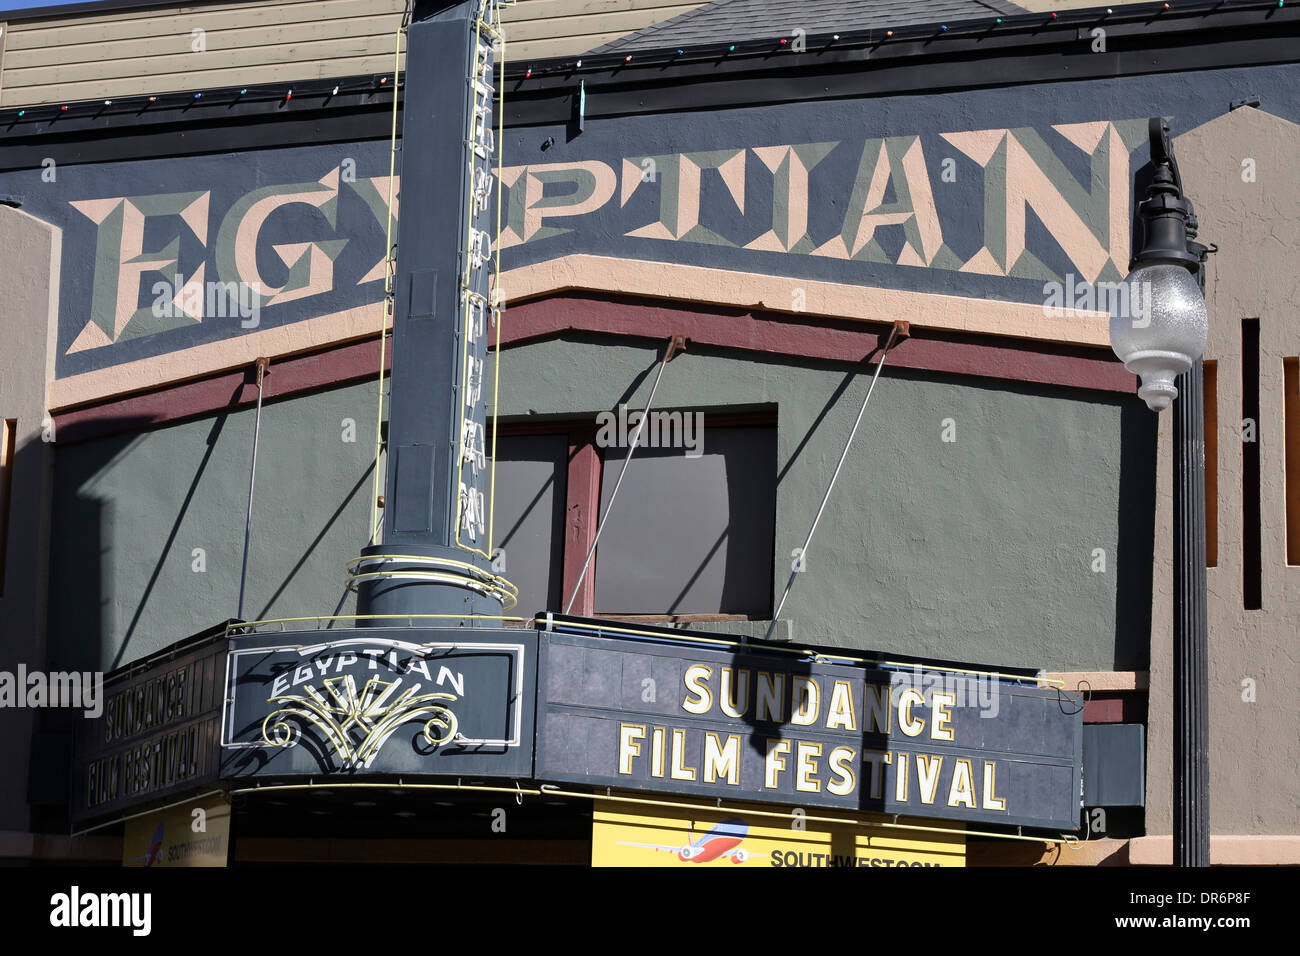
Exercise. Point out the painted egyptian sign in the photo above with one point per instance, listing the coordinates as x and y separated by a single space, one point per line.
379 701
748 725
986 194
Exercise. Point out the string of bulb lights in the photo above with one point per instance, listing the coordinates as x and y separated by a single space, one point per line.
876 36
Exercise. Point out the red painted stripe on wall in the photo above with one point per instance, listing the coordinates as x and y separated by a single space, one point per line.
983 356
717 327
286 377
1124 708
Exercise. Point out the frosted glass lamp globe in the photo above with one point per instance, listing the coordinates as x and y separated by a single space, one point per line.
1158 328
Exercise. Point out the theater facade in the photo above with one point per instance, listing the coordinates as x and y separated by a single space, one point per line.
431 480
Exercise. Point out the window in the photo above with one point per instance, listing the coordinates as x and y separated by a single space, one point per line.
688 535
528 517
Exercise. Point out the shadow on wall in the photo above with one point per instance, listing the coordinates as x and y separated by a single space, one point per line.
75 634
1137 502
75 528
35 740
148 525
1135 551
83 549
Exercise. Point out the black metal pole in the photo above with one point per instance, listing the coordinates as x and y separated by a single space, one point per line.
1169 229
1191 633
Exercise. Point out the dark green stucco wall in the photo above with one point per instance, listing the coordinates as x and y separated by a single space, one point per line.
130 510
979 549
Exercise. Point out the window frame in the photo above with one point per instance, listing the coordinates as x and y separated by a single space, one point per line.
586 466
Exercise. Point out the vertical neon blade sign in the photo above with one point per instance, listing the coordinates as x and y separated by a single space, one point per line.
471 509
435 559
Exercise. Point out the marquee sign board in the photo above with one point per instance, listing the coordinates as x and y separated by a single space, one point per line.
156 738
380 701
776 728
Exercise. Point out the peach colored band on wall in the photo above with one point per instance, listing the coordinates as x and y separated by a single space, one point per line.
832 300
1225 850
211 357
658 280
1104 680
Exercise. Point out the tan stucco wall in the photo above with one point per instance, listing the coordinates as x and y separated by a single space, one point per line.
1254 747
30 251
1225 850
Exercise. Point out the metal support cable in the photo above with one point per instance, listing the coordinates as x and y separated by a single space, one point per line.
390 266
252 477
673 344
803 552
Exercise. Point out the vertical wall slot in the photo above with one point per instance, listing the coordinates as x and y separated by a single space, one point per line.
8 445
1291 413
1211 391
1252 548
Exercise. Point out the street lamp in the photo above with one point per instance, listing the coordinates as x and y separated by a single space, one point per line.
1158 329
1159 324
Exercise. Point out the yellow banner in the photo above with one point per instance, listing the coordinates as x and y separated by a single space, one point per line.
630 834
193 834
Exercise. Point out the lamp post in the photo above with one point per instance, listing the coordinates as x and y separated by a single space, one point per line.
1158 328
